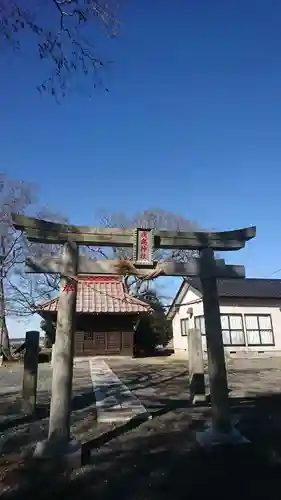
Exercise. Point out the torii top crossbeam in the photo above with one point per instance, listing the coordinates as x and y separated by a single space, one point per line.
50 232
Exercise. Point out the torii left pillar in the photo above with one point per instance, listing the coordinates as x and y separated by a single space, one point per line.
59 443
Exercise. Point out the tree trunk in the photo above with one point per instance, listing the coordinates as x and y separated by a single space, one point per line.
4 335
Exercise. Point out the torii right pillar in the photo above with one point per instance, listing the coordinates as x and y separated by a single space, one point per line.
221 430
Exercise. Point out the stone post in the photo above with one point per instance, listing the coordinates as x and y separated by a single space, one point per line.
221 431
196 367
30 372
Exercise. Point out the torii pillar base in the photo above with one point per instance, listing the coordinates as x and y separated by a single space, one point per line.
211 437
69 456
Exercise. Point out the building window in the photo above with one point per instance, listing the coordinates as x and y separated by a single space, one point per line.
259 329
199 324
184 327
232 329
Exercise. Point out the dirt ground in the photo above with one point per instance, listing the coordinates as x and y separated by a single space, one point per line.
159 458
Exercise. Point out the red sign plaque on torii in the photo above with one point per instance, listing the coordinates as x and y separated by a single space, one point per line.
143 248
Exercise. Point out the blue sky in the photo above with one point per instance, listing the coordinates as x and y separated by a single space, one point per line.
191 123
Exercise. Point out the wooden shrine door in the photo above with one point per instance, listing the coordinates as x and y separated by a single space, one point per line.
104 343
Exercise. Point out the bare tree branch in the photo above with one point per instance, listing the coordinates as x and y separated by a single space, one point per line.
14 196
20 292
154 218
63 33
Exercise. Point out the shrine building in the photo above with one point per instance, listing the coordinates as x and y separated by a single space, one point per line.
106 316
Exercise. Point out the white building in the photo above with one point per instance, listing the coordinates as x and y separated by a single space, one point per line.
250 315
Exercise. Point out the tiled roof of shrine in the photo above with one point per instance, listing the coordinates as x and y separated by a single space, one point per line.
100 294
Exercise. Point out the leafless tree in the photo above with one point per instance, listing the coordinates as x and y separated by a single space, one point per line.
63 32
154 218
26 290
14 196
19 292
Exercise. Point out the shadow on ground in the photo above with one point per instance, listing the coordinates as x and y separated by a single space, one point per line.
19 432
79 402
158 353
159 459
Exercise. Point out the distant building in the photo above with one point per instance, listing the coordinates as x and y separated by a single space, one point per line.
250 315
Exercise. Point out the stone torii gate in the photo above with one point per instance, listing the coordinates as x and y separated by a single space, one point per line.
143 242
